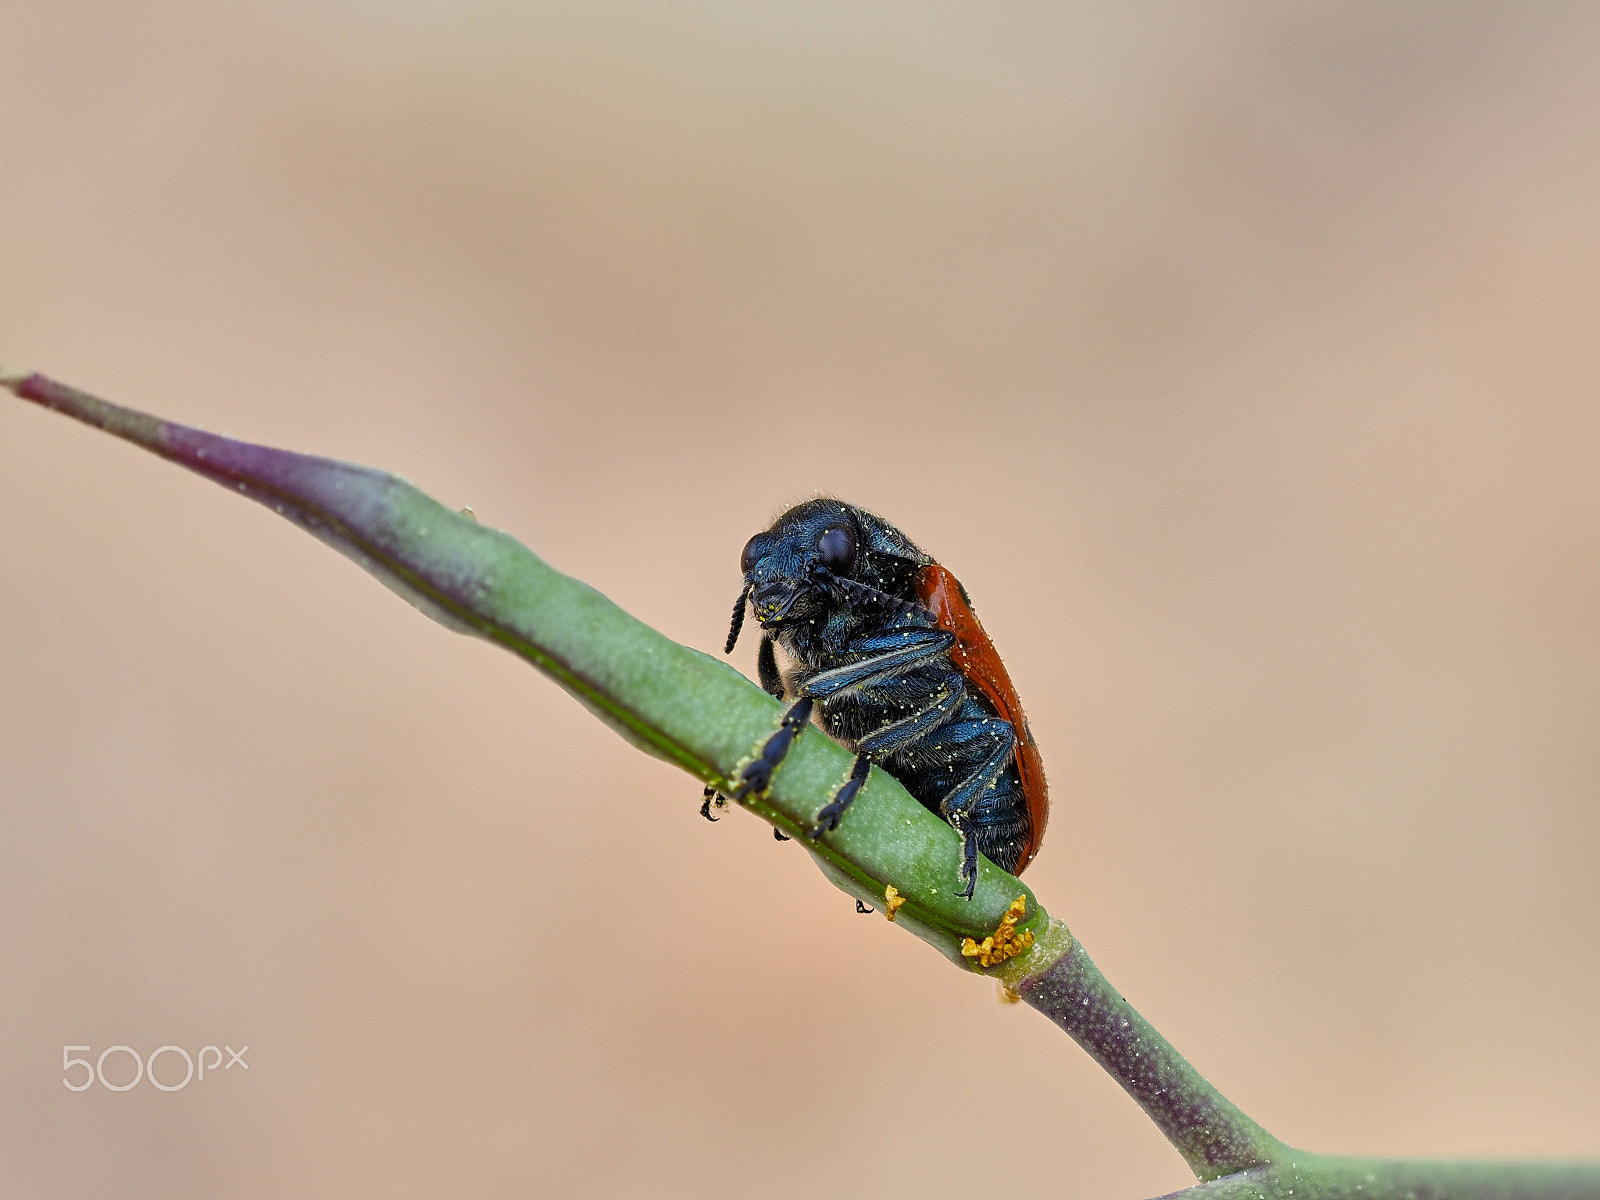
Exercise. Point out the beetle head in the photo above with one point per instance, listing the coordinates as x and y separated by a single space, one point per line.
820 556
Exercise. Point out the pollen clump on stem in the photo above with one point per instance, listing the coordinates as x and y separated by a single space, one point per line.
892 900
1005 942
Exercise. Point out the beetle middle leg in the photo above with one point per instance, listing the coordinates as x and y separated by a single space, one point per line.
941 706
897 652
830 813
900 652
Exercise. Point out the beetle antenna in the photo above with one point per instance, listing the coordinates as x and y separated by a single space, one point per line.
738 620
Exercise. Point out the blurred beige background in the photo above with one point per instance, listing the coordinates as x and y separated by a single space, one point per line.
1241 359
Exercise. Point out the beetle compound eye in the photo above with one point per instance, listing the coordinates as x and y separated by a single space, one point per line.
837 546
753 549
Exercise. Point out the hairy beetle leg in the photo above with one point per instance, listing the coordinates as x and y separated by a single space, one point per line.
829 815
957 807
757 776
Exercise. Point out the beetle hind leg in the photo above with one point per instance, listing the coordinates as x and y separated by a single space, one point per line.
967 873
959 806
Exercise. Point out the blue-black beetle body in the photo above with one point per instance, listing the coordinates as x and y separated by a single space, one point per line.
882 643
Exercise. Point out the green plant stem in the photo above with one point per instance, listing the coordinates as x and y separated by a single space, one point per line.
698 713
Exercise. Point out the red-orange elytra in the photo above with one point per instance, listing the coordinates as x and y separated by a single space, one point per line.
976 658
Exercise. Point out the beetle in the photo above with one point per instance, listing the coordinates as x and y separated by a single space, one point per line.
881 644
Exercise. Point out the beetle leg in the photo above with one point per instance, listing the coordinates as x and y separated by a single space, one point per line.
908 648
885 741
713 804
779 835
941 706
767 669
828 817
757 775
968 871
957 806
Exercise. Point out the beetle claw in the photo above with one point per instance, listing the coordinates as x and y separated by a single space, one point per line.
713 804
753 780
827 821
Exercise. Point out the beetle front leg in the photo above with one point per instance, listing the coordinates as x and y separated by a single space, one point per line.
713 804
757 775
